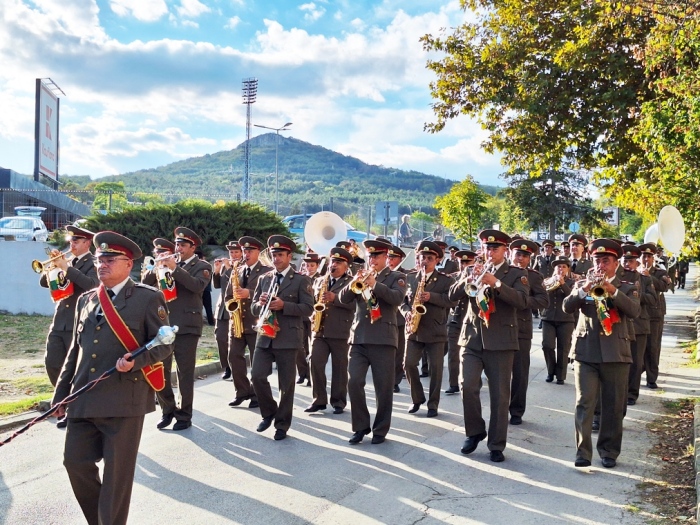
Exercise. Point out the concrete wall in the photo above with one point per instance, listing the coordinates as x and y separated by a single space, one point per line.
20 292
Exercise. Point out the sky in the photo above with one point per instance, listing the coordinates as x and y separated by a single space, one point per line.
149 82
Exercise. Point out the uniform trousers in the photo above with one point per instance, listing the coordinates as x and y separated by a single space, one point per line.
57 344
303 353
436 357
638 347
238 365
114 440
381 360
400 354
653 350
260 372
337 349
185 352
498 367
520 379
556 335
221 332
453 330
610 379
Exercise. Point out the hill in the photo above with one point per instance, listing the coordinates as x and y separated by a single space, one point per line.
309 177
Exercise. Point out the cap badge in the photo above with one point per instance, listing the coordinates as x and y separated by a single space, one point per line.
491 238
523 247
600 249
276 245
104 246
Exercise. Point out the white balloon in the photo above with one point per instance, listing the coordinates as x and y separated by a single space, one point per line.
671 229
652 234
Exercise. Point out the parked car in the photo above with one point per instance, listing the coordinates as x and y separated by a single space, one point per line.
296 224
23 228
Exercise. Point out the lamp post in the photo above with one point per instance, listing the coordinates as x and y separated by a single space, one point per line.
277 141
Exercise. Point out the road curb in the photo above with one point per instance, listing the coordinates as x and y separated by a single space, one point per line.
8 423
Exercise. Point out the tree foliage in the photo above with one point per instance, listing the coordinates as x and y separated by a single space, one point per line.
462 208
553 199
554 82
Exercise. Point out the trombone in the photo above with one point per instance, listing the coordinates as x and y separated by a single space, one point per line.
42 266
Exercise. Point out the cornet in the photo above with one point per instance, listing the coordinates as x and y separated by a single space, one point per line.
40 267
474 286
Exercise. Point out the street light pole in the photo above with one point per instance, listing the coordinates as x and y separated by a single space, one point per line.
277 141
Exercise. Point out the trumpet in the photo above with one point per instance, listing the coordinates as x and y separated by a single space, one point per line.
358 285
264 326
474 286
42 266
597 280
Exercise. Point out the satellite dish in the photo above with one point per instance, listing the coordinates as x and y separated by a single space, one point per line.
671 229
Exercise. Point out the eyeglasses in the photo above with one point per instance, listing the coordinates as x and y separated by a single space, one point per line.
107 261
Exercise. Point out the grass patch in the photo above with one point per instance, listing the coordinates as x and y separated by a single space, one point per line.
23 334
10 408
33 385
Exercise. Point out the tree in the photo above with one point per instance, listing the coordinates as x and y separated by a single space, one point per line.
462 208
554 82
109 196
552 199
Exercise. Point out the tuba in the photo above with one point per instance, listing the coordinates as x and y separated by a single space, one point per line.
418 309
235 306
324 230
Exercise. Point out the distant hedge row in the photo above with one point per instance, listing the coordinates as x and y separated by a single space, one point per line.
216 224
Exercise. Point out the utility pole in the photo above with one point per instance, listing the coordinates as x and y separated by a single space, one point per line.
250 92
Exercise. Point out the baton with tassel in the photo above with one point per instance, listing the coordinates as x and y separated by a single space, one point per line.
165 336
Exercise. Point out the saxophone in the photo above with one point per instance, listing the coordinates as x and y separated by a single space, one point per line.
320 306
235 306
417 308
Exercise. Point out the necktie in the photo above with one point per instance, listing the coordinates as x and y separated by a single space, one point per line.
74 262
332 283
99 314
279 278
181 264
246 274
573 266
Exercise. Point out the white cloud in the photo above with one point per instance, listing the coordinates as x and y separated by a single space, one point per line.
143 10
232 22
190 23
192 8
313 12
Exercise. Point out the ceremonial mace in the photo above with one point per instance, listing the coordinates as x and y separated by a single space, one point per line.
166 335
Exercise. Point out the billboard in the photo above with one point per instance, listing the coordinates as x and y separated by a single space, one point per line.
46 132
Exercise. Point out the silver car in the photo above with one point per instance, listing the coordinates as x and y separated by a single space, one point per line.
23 228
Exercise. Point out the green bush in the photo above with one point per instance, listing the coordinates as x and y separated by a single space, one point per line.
216 224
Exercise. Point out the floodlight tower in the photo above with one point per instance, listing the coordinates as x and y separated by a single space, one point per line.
250 92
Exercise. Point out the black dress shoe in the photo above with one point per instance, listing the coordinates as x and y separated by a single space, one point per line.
376 440
226 374
301 380
182 425
414 408
581 462
165 421
432 412
631 402
560 381
452 390
609 462
550 378
338 410
254 403
237 401
425 374
265 423
653 386
62 423
516 420
471 443
496 456
308 381
596 424
280 434
315 408
358 436
397 389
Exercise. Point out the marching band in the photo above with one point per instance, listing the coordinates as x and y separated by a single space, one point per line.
601 305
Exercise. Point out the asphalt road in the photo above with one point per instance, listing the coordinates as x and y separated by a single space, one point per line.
222 471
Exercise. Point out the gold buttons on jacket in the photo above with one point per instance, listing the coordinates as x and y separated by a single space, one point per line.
92 370
98 328
95 341
94 356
